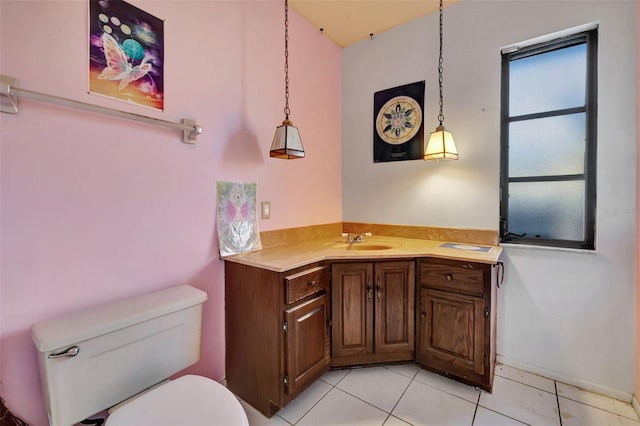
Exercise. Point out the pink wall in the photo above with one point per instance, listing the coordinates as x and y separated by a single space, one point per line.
96 209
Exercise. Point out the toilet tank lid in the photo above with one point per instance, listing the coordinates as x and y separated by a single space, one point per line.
62 331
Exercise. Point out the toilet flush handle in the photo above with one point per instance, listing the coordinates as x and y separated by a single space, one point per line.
71 352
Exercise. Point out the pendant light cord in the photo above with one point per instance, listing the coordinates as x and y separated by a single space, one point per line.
286 59
440 67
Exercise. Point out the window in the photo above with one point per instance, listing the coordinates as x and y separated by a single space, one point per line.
548 143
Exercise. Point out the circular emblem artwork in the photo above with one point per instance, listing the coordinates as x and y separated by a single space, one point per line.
399 120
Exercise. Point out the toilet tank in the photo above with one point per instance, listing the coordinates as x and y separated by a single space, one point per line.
93 359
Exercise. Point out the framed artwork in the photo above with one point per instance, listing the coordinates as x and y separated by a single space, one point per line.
398 129
126 53
236 218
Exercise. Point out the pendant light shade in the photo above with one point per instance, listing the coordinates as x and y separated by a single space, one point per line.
441 145
286 142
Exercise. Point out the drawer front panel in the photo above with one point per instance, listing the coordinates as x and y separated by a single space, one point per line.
461 277
306 283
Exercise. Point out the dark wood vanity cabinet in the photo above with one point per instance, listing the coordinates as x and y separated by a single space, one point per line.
306 328
277 332
285 329
373 312
456 320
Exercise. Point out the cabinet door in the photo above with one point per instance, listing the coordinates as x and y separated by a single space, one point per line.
451 332
307 342
352 309
394 307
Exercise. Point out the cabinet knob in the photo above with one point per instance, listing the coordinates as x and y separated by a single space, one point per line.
311 283
449 277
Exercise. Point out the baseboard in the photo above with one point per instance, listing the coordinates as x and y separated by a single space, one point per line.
569 380
636 404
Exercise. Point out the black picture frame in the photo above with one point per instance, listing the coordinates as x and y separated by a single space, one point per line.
397 136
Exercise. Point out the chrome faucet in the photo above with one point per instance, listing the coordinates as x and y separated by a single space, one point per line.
356 238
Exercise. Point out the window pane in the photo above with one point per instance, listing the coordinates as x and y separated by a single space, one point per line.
547 146
549 81
547 209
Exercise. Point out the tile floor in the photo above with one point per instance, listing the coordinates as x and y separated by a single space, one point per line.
400 395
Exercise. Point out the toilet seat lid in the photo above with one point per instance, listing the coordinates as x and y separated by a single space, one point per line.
187 401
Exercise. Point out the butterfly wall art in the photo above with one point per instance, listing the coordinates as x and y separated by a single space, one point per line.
126 53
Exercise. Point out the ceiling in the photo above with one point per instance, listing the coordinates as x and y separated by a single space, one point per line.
349 21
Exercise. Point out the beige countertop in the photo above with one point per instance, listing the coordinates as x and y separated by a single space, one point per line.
289 256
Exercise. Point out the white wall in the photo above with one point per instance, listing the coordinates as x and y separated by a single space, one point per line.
568 315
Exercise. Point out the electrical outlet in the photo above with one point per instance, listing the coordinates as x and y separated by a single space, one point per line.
266 210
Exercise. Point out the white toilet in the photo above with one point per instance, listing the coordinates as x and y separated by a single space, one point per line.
111 355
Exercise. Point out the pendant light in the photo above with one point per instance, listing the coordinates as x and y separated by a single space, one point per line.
286 142
441 145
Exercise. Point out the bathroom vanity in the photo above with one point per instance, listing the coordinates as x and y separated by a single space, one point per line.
295 310
456 306
277 332
372 312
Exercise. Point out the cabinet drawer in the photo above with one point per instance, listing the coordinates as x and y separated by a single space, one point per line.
306 283
461 277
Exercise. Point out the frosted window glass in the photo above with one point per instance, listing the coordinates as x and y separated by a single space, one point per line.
547 209
547 82
547 146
